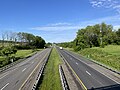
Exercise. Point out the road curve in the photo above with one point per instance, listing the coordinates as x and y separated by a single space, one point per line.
89 76
15 77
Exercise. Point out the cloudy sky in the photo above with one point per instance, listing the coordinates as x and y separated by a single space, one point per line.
56 20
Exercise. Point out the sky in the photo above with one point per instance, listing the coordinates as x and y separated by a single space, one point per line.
56 20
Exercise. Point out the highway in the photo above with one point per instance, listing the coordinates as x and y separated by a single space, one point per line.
87 76
22 76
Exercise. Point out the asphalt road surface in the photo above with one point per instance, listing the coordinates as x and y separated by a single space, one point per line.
16 77
89 76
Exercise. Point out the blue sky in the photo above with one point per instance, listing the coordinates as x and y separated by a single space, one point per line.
56 20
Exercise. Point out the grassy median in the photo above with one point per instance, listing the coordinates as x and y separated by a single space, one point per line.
51 78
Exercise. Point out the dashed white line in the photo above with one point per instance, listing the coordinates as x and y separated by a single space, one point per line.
88 73
15 69
23 69
76 63
4 86
4 76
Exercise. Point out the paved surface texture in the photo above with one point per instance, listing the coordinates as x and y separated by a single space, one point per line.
17 76
89 76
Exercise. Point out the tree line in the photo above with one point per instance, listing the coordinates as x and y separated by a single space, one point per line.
22 40
97 35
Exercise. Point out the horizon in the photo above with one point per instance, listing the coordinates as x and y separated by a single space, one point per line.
57 21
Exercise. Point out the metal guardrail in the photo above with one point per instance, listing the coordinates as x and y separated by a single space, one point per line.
38 77
10 65
40 72
63 79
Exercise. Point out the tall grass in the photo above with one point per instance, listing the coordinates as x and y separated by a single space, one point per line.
110 55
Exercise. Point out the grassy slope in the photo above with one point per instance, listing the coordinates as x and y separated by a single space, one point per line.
20 53
23 53
111 49
51 79
110 55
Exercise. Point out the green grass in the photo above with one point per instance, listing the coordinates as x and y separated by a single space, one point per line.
18 55
111 49
23 53
51 79
109 56
70 49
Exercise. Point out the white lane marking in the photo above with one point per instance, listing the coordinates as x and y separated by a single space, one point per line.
4 76
7 73
76 63
4 86
23 69
15 69
88 73
94 69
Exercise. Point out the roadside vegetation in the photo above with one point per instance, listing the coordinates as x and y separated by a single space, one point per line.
4 60
14 46
109 55
51 78
99 42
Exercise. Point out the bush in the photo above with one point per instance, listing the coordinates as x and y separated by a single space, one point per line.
19 47
8 51
77 48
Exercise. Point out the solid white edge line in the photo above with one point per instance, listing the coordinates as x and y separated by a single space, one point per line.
4 76
93 68
4 86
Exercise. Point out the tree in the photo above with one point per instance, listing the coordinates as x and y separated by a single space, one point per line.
39 42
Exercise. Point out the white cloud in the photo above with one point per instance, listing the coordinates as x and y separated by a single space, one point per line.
113 20
57 27
60 24
113 4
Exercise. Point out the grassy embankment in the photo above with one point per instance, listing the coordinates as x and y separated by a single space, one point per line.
110 55
51 78
19 54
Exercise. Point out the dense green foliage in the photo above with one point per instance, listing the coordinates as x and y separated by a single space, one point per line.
48 44
29 41
6 51
66 44
4 60
98 35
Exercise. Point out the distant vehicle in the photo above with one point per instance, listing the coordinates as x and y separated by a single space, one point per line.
61 48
